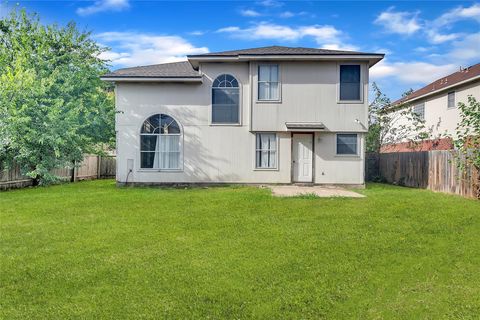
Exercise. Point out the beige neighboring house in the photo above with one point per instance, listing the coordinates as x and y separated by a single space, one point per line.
262 115
437 104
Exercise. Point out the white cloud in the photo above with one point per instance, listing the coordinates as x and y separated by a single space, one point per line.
104 5
324 35
287 14
466 50
399 22
434 36
290 14
433 28
134 49
197 33
250 13
413 72
459 13
270 3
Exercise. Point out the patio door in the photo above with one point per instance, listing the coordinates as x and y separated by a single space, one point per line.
302 157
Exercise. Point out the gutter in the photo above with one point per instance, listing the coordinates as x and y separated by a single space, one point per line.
372 58
153 79
438 91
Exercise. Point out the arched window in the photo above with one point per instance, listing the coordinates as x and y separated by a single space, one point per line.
225 99
160 140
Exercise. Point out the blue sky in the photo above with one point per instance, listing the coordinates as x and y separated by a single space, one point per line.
422 40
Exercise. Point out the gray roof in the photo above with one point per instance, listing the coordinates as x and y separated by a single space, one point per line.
165 70
277 50
184 69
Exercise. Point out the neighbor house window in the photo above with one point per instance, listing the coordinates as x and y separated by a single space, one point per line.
347 144
419 110
451 100
266 151
350 82
225 100
160 139
268 84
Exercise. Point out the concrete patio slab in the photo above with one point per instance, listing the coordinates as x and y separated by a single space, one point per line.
319 191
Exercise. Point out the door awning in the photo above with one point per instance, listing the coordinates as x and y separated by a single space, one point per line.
305 126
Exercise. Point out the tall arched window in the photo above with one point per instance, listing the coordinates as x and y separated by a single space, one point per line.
225 99
160 140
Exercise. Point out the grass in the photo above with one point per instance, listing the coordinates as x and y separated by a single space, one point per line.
93 251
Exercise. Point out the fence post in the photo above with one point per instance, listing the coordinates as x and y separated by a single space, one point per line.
99 170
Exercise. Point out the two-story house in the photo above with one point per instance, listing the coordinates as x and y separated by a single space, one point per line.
437 105
263 115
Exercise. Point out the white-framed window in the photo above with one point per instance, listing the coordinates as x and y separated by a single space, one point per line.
350 82
160 143
419 110
347 144
451 100
225 100
268 82
266 151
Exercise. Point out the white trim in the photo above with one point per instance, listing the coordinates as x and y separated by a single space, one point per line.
152 79
454 99
438 91
356 155
181 147
279 100
277 152
371 58
240 101
361 84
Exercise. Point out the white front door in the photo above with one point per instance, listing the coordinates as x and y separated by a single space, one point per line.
302 157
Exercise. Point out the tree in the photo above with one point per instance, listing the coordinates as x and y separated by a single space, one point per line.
467 140
393 124
53 106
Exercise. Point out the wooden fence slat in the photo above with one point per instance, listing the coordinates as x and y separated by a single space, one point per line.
433 170
92 167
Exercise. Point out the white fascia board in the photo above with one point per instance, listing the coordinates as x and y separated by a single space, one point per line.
143 79
373 59
441 90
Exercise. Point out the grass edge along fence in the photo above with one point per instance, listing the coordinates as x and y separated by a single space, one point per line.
92 167
433 170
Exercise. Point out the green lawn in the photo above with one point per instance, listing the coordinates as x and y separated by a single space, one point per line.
90 250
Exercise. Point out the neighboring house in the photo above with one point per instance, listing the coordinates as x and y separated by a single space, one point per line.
263 115
437 104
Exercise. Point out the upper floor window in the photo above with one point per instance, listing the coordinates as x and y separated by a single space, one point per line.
350 86
160 143
268 84
419 110
225 100
451 100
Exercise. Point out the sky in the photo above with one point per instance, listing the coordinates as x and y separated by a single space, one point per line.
422 41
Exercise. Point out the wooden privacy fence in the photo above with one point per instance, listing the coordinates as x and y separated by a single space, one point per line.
92 167
434 170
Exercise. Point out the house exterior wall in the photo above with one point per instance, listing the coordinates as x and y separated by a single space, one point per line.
309 93
226 153
441 120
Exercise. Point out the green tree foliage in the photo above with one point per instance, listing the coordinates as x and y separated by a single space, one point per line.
467 139
53 106
389 125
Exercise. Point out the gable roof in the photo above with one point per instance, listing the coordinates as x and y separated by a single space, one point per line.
277 50
185 71
174 70
464 75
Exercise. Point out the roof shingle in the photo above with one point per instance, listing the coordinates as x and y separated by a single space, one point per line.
442 83
181 69
275 50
